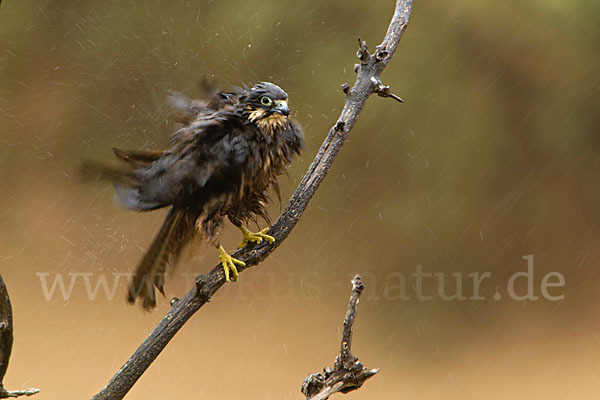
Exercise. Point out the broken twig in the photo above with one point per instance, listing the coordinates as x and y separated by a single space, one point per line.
348 373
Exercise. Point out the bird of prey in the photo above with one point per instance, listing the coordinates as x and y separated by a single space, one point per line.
222 163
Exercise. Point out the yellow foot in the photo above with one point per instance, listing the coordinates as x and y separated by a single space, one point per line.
255 237
229 264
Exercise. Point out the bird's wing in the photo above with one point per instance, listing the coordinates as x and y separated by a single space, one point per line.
204 159
187 110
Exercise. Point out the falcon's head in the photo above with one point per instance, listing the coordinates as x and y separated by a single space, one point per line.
266 106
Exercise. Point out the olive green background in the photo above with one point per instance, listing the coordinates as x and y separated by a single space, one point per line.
494 156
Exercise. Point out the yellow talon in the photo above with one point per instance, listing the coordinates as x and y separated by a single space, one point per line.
255 237
229 264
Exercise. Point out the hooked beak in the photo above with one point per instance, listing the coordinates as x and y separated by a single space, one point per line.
281 106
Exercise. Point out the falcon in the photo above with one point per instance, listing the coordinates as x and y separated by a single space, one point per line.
224 162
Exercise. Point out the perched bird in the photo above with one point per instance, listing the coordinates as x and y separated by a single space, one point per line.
222 163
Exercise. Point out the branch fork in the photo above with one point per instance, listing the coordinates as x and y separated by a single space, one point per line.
383 91
348 373
369 60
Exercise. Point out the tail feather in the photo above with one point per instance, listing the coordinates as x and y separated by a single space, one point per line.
175 233
137 158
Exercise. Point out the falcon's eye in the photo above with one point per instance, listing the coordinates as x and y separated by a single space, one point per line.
266 101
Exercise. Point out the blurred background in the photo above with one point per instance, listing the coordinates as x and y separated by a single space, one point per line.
494 156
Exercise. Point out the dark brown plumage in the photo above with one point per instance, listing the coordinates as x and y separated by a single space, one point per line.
222 163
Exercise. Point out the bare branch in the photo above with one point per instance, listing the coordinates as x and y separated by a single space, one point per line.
6 330
346 346
348 373
5 394
6 342
206 285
